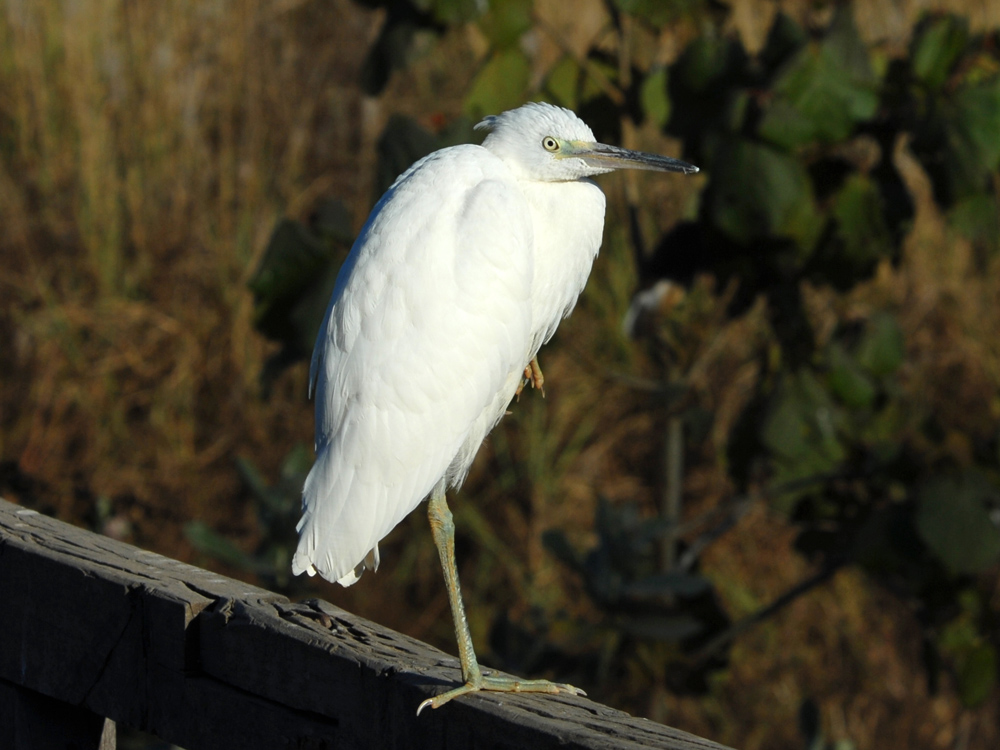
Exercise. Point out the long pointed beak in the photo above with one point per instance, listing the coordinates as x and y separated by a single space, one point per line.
603 156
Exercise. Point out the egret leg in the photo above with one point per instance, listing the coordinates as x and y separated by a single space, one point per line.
532 374
443 528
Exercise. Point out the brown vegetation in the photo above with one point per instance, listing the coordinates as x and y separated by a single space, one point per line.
146 152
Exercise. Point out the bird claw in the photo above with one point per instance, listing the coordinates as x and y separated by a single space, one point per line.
500 685
532 374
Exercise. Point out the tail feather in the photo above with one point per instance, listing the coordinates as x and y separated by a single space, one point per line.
337 538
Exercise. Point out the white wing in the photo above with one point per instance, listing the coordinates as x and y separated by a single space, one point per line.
428 330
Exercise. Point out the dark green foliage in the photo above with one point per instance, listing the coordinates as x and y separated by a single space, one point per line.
797 144
802 430
505 23
971 121
922 530
404 141
978 218
677 608
295 279
656 13
823 92
407 24
762 193
277 507
500 85
861 229
654 97
954 521
954 93
451 11
936 48
881 349
974 656
293 283
780 171
849 383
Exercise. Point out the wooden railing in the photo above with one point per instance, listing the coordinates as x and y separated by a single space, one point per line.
94 631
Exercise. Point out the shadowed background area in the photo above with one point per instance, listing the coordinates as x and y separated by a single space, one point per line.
760 499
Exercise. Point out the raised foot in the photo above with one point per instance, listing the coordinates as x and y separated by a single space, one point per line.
500 685
533 375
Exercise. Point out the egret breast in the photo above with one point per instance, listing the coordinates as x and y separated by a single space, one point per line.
568 219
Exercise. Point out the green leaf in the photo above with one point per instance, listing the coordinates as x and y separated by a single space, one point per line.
784 125
971 126
297 462
207 541
500 85
881 432
292 284
800 420
937 47
662 627
860 222
977 675
703 62
656 13
331 222
955 524
252 477
823 91
401 42
455 11
760 192
563 82
847 381
558 545
667 585
882 347
292 256
977 218
506 22
654 98
402 143
592 88
784 39
800 430
974 657
734 114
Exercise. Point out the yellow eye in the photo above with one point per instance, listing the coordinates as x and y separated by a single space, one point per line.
550 144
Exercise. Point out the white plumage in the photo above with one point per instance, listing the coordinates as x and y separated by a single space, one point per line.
463 270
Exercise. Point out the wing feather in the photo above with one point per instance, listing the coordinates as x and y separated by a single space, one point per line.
429 327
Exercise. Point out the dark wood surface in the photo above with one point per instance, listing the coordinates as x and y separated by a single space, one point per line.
206 661
32 721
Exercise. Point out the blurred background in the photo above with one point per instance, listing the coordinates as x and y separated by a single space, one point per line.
760 500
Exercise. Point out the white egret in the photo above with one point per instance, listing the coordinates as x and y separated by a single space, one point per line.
463 270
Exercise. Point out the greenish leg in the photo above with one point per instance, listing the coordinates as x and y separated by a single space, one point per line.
443 527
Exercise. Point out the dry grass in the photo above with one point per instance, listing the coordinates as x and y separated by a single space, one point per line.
146 150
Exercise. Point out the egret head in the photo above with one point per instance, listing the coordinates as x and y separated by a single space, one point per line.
551 144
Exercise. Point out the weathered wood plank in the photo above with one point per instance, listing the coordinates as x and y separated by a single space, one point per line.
376 677
209 662
32 721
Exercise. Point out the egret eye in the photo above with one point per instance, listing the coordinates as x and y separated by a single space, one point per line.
550 144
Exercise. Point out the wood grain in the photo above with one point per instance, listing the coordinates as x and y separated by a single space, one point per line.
206 661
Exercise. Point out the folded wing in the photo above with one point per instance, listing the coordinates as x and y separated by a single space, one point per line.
422 347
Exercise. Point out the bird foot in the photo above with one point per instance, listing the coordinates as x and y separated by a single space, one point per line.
532 374
500 685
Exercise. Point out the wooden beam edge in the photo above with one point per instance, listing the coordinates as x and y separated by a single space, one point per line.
343 680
